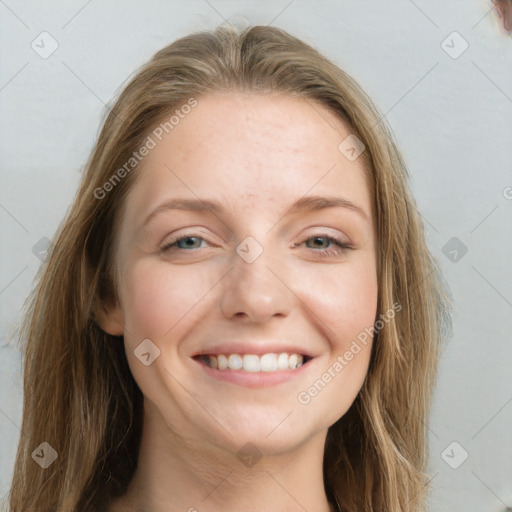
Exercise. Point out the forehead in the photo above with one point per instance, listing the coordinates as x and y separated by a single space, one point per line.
259 126
251 150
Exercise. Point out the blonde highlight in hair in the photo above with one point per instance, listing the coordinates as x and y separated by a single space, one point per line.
79 394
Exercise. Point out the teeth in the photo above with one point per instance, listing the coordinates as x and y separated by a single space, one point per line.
222 362
254 363
293 360
251 363
234 361
268 363
282 361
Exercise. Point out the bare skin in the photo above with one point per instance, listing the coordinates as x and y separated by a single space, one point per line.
256 155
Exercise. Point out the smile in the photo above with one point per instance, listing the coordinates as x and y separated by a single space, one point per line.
254 371
254 363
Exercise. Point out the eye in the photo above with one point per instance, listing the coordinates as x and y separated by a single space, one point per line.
189 242
340 246
336 246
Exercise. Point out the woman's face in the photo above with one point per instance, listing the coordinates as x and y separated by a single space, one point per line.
255 275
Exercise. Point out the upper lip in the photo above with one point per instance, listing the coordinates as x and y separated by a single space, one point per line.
251 347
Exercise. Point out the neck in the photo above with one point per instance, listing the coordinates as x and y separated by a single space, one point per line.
177 474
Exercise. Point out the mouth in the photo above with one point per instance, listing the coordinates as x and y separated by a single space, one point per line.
252 363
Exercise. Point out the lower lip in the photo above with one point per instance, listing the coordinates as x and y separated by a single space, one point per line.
253 379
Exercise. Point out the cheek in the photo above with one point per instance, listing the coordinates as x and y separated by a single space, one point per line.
345 300
156 299
345 305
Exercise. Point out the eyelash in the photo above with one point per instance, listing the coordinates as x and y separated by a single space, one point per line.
342 247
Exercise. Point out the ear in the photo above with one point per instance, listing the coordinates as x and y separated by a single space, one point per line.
110 319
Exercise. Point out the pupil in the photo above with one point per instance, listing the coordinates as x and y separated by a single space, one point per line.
189 241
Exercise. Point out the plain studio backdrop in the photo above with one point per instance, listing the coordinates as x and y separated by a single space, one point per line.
441 72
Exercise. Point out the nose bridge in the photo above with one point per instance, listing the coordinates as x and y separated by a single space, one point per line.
256 286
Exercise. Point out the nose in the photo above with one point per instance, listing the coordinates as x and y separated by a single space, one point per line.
257 291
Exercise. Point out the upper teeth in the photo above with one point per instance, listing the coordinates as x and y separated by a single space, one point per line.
254 363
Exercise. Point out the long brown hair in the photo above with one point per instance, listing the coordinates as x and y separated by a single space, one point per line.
79 394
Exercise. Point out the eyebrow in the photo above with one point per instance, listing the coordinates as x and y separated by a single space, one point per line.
306 203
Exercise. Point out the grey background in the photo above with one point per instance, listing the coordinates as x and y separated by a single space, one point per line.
451 118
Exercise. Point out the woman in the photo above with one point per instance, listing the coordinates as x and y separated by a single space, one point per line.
240 311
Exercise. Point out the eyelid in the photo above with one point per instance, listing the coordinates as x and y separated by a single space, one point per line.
187 232
328 232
